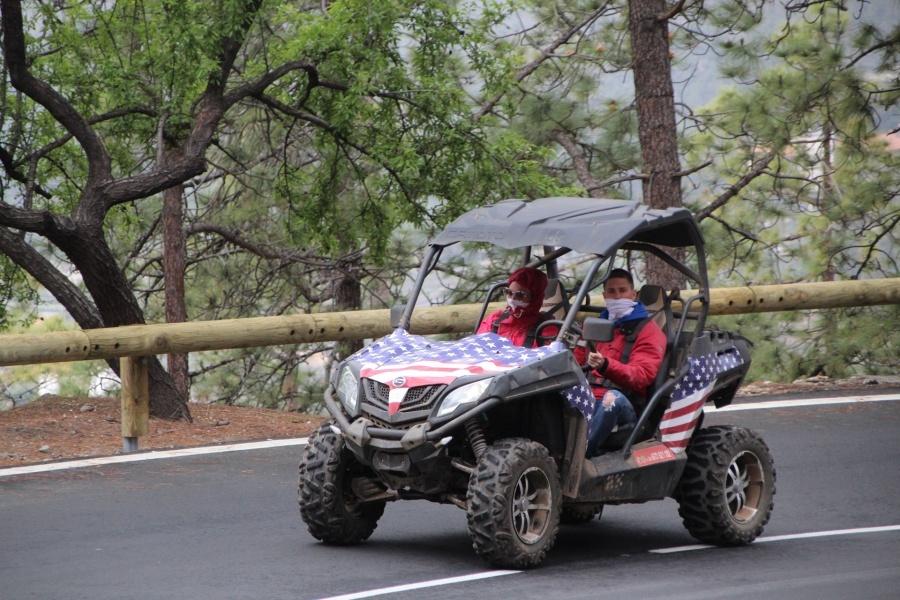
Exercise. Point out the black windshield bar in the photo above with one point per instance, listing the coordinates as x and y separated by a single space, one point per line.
428 263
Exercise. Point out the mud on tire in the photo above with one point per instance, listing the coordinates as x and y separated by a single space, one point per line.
577 514
514 503
327 504
725 495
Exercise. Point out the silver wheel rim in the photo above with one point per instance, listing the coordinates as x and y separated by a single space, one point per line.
744 484
531 504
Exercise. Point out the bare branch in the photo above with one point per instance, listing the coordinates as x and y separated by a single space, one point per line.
579 160
757 169
42 222
59 142
9 166
76 303
270 251
676 8
623 179
258 86
154 181
692 170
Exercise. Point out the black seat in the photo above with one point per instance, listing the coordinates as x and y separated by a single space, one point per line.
658 305
556 301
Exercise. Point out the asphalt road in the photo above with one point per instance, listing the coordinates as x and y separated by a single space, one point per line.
227 526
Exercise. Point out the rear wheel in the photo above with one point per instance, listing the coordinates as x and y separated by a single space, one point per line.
328 506
514 503
725 495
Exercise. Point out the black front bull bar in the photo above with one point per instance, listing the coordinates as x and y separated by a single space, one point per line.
361 430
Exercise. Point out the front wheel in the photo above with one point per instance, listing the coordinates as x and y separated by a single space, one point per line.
514 503
725 495
328 506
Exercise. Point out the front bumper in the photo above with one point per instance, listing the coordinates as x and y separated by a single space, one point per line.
362 433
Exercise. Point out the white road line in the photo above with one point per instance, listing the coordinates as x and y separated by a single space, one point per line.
153 455
803 402
781 538
421 585
476 576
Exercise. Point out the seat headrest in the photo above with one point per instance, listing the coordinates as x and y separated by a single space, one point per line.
552 288
652 296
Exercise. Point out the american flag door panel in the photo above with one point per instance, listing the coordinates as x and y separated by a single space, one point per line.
690 393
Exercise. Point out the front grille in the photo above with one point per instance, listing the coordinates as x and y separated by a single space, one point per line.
376 393
417 398
421 398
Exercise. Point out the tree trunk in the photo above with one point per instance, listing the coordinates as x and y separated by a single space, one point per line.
87 249
66 293
828 199
657 132
173 270
348 296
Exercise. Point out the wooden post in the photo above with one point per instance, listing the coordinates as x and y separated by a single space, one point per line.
135 400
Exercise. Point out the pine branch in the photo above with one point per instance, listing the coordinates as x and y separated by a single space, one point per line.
546 53
757 169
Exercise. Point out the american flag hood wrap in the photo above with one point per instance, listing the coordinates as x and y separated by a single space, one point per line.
403 361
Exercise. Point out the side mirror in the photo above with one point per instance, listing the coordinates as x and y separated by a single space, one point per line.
396 313
598 330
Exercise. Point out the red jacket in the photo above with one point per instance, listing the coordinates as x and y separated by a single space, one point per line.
639 373
515 330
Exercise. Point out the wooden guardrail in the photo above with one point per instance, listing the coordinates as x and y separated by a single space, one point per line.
135 341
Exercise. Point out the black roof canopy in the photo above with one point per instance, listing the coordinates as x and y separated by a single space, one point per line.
589 225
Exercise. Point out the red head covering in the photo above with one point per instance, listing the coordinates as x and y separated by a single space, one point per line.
535 282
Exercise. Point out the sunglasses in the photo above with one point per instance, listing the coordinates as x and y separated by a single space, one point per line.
517 295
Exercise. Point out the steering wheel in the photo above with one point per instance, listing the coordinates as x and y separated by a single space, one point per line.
574 331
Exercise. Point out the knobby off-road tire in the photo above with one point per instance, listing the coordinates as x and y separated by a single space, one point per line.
327 504
514 502
576 514
725 495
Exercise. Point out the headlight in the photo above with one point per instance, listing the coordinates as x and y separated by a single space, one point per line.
463 395
348 390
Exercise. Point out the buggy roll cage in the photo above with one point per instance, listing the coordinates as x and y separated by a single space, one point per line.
561 225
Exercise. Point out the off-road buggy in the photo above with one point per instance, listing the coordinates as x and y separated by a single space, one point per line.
500 431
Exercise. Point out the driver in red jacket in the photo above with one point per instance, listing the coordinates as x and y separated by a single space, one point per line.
519 320
619 385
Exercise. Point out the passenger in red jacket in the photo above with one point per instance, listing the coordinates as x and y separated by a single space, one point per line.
524 297
613 380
